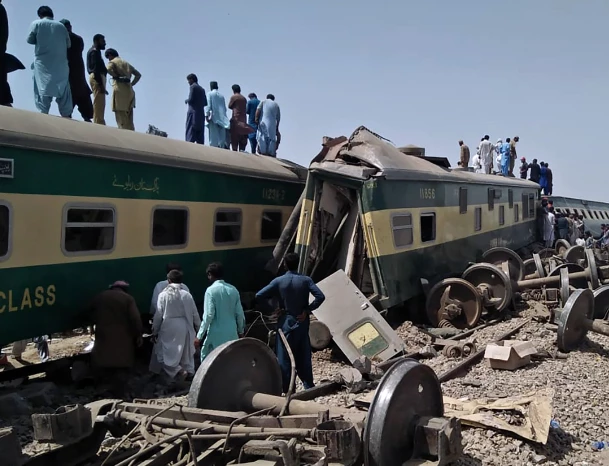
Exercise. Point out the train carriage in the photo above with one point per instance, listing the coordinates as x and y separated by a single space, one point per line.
83 205
390 219
594 213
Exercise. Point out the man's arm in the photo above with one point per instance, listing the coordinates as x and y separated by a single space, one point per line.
190 99
268 291
158 315
240 317
192 307
136 321
278 116
137 75
317 294
68 40
258 112
209 311
231 102
31 38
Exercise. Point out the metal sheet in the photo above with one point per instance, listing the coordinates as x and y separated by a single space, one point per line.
356 326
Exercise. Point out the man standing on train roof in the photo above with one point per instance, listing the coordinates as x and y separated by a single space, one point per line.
486 154
81 93
118 331
252 106
549 179
476 162
513 154
535 173
292 290
464 155
97 78
524 168
123 96
217 121
50 67
505 157
239 129
268 116
176 323
223 318
195 115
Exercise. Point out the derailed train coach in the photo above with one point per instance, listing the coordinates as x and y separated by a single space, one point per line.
391 217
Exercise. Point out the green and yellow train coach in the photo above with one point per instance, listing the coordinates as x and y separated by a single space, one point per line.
83 205
389 218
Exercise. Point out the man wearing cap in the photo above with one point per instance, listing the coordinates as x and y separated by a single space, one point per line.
118 330
81 93
524 168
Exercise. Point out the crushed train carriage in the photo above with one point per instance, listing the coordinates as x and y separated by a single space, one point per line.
390 217
83 205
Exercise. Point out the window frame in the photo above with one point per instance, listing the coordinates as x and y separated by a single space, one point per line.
428 213
215 224
273 211
525 206
393 228
88 206
169 207
9 248
501 215
516 213
478 213
491 199
463 210
532 206
511 198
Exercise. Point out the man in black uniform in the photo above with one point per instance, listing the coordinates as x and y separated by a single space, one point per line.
81 93
97 78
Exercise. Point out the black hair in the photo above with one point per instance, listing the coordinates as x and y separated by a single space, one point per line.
173 266
213 85
98 37
111 52
193 77
270 96
236 89
216 270
291 261
45 12
252 95
175 276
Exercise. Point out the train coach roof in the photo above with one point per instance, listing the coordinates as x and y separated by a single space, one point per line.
30 130
365 154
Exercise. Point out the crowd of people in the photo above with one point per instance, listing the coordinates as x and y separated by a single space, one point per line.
505 156
179 329
59 73
569 227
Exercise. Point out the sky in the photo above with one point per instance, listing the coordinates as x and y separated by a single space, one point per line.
416 72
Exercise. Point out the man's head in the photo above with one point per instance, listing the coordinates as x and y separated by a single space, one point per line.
99 42
215 271
175 276
523 159
516 139
67 24
507 140
291 262
251 95
45 12
213 85
270 96
499 141
460 143
486 137
546 164
236 89
173 266
534 160
542 164
192 78
111 54
120 285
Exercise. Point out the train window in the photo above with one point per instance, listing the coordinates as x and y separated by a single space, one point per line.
478 219
531 205
584 214
525 206
401 224
510 198
590 215
501 215
88 229
5 231
169 227
516 213
462 200
491 198
428 227
595 213
227 226
271 225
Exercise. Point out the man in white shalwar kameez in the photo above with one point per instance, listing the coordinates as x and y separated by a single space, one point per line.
548 227
486 154
176 323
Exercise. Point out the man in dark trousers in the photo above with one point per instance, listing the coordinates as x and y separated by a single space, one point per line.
97 78
292 290
195 115
535 171
81 92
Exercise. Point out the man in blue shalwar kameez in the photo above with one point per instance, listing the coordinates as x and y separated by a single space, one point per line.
292 290
252 106
505 157
268 117
223 318
195 116
51 71
217 121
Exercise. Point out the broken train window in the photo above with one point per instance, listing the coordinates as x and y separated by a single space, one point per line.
428 227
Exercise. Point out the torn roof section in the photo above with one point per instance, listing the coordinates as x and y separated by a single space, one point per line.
365 154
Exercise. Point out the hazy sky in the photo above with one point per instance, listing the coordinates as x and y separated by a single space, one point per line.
416 72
